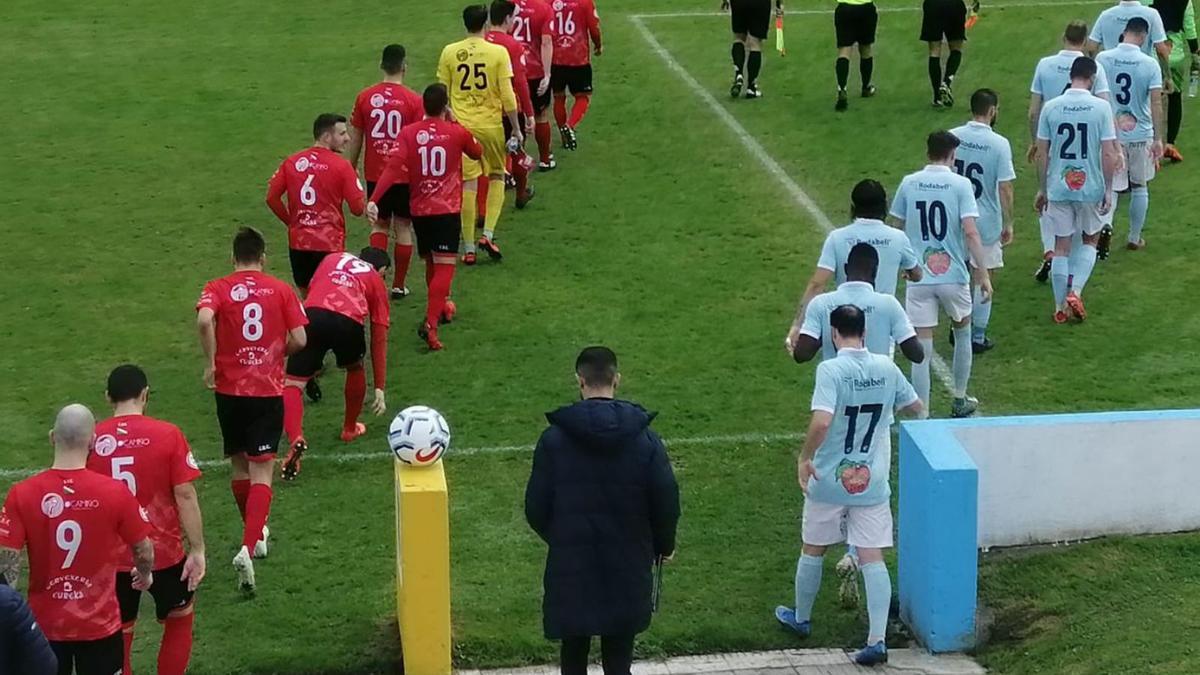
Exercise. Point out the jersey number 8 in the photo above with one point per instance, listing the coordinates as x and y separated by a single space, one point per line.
252 325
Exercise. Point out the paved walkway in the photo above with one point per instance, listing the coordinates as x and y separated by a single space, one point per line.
790 662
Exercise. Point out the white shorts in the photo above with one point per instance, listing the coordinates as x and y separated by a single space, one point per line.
1065 219
993 257
1138 167
922 301
861 526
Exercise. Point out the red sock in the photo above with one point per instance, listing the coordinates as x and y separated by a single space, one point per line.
293 413
241 490
356 391
176 648
428 270
522 175
379 240
127 636
258 507
481 192
439 290
579 109
542 133
403 259
560 109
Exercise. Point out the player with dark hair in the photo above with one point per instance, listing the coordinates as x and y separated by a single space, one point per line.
346 291
248 322
431 153
750 21
944 19
501 20
854 23
153 459
531 28
316 181
380 112
576 31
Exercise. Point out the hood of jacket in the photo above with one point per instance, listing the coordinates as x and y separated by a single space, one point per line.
601 424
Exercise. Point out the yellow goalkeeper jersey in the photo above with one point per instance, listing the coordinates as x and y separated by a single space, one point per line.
478 75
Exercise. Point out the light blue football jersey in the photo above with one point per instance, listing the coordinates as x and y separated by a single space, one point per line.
1076 124
1111 24
1134 75
887 323
1052 77
895 252
932 203
862 391
984 157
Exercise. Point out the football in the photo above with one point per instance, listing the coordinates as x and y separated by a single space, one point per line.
419 435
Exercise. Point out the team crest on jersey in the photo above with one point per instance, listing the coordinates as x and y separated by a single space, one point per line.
462 55
239 293
191 461
142 512
1126 121
377 100
106 445
302 164
422 137
937 261
52 505
1075 177
854 476
558 5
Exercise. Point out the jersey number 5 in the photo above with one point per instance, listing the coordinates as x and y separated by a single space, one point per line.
119 472
480 76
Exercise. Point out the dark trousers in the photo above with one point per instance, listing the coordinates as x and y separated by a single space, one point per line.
616 654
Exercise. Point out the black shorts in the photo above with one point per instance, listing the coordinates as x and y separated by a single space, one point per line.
750 17
328 330
92 657
305 263
943 18
437 234
577 79
540 101
169 590
393 203
250 425
855 24
508 127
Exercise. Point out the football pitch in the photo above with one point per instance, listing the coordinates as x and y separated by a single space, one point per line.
680 234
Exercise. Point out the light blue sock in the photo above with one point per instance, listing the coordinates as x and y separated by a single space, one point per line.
808 582
879 599
1082 264
963 357
981 314
1139 204
1059 270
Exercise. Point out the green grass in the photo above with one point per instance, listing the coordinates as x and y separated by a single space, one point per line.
143 134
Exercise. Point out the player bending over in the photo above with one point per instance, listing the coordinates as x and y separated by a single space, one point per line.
346 290
574 24
249 321
1077 157
937 209
153 459
843 471
531 28
380 112
984 157
1138 115
431 153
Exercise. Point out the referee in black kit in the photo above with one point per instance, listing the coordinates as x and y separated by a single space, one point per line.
750 20
943 19
854 22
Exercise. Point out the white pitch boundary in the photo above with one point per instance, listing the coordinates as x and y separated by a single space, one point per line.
881 10
344 457
760 153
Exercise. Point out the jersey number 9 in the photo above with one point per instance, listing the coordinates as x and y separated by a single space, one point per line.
479 81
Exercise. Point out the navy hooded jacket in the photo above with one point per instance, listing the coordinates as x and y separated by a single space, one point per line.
23 647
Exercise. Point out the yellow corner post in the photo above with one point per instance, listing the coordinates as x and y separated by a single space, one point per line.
423 568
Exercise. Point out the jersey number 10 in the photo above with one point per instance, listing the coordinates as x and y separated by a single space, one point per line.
934 220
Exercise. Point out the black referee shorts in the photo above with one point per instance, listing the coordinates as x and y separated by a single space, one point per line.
855 24
943 19
750 17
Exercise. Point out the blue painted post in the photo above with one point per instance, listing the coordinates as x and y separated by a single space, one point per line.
937 556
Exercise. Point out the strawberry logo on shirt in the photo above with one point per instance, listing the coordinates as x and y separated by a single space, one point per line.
1126 121
937 261
1075 177
855 476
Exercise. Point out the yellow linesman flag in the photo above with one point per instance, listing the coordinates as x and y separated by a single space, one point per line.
779 36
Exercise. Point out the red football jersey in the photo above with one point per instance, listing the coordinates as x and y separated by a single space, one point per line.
432 150
516 54
254 312
345 284
73 523
316 181
531 23
151 457
380 112
574 22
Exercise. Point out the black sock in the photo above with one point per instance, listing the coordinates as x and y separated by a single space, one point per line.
1174 116
843 72
739 56
952 63
935 73
865 68
753 65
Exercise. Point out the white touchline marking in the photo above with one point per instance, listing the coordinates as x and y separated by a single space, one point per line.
341 458
760 153
881 10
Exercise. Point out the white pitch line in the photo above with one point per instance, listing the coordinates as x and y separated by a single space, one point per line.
760 153
341 458
881 10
